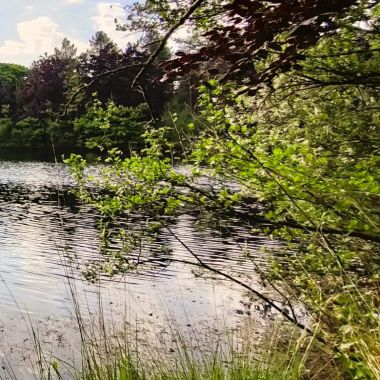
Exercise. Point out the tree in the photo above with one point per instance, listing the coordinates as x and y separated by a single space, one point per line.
120 68
111 126
292 122
67 52
257 41
42 98
11 77
45 90
100 44
250 41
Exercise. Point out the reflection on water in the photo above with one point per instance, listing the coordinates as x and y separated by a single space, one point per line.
40 221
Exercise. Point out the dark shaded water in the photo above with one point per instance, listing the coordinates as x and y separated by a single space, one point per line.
49 154
41 224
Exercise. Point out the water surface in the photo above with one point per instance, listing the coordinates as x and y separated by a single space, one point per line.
42 226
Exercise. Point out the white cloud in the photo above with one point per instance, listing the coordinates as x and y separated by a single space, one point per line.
104 20
36 37
73 1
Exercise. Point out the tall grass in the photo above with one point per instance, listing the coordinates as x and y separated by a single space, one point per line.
115 351
119 351
116 358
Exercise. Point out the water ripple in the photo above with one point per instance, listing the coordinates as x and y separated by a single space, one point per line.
42 225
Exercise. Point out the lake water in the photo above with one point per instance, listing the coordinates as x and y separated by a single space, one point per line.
42 226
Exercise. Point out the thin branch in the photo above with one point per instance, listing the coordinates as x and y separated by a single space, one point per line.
261 296
361 51
167 36
145 66
143 91
255 219
94 80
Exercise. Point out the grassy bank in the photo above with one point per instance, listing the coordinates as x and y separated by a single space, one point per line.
122 352
127 350
110 356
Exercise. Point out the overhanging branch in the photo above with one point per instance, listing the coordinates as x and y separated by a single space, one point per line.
167 36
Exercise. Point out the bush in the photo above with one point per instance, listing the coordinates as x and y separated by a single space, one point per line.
29 131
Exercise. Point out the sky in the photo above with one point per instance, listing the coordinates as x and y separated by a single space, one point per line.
29 28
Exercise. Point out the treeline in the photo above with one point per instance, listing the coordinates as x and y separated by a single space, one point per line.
65 98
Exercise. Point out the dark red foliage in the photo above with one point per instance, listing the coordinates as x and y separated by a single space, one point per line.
251 30
43 91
